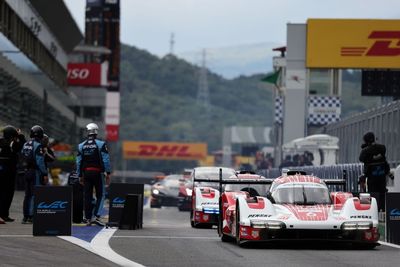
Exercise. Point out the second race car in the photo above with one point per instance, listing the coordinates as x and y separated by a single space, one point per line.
205 195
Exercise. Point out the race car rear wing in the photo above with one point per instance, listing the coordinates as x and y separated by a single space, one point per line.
341 182
205 180
241 181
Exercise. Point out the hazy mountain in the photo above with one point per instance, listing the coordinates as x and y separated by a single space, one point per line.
233 61
159 103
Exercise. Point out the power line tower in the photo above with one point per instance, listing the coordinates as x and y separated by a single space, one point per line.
171 44
203 98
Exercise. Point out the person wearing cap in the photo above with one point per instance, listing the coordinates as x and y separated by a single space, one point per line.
92 164
376 167
10 146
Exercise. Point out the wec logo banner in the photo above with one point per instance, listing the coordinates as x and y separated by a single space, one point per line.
164 150
53 205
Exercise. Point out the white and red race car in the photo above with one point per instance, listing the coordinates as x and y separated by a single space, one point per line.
205 195
296 207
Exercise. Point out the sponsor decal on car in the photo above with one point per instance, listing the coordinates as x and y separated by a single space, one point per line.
209 203
259 216
360 217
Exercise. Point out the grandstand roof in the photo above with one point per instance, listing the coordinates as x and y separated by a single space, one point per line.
61 22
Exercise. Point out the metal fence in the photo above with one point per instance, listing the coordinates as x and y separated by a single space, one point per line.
383 121
353 171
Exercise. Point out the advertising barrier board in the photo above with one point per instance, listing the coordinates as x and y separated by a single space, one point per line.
393 218
52 210
164 150
87 74
353 43
117 195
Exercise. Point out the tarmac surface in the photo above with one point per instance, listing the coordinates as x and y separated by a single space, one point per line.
168 240
18 247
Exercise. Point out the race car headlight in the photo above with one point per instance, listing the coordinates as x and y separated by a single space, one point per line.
189 191
275 225
356 225
211 210
258 224
156 192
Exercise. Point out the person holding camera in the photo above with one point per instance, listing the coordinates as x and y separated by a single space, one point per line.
10 146
35 169
376 167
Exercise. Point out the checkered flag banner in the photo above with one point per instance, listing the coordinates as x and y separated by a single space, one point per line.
278 109
323 110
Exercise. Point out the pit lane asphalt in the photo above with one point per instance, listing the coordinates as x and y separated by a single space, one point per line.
168 240
19 248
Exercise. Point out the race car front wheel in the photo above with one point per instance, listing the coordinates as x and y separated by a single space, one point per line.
191 219
226 238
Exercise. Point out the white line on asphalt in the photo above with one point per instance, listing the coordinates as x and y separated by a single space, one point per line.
78 242
165 237
16 235
99 245
389 244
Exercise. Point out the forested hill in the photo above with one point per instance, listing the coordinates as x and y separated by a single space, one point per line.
159 101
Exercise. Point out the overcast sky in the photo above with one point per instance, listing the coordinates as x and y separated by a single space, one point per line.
199 24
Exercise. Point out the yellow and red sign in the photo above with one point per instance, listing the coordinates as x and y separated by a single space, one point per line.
164 150
353 43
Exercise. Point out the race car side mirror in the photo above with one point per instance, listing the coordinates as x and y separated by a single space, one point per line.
365 198
270 198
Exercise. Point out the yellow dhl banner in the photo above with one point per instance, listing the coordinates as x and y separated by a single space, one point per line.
353 43
164 150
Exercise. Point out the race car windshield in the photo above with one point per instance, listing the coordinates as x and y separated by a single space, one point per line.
171 181
301 195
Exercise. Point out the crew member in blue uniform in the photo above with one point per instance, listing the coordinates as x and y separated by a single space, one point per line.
93 163
35 169
10 146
